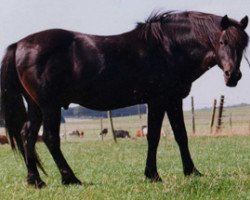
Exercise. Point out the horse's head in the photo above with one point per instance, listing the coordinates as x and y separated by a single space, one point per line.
231 44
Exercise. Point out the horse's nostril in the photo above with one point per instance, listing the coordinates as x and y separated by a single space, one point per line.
239 75
227 73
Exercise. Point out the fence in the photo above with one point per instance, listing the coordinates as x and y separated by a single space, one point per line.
235 120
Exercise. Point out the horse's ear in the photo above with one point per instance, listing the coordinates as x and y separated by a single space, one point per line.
225 22
244 22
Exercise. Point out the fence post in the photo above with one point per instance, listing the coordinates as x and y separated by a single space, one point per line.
231 122
101 121
65 132
139 111
112 125
213 116
193 115
218 128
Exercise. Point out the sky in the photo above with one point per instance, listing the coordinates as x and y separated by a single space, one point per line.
19 18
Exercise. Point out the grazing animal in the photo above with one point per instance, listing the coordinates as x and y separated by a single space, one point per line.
81 135
3 139
155 63
77 133
104 132
121 134
139 133
142 132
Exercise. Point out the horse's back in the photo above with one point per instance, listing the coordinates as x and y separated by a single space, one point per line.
45 43
47 37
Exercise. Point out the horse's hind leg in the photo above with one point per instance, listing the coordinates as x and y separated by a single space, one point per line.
29 136
155 118
51 137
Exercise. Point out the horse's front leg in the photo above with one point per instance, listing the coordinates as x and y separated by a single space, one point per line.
155 118
175 115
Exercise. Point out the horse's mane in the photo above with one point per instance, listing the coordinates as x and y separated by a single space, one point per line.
201 26
152 26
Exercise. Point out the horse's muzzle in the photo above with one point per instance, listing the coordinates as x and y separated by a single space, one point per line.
232 79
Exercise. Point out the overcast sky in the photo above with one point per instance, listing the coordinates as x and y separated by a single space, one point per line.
19 18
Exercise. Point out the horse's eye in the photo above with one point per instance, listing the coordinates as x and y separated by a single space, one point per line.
225 42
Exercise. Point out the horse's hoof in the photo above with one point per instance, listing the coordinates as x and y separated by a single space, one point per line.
38 184
69 181
156 179
194 172
153 177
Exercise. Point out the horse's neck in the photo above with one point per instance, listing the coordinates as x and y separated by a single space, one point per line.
195 66
209 60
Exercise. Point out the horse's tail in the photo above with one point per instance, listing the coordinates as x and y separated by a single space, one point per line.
12 106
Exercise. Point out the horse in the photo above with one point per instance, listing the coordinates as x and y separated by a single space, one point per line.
153 64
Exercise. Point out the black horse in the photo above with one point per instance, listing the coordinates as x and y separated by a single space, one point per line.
155 63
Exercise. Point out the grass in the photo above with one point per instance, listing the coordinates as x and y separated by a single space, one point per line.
115 171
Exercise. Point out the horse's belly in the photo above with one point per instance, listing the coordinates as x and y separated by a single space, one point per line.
110 99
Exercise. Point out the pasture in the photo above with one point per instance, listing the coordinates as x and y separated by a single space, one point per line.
115 171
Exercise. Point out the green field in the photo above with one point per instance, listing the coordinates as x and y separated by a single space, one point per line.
115 171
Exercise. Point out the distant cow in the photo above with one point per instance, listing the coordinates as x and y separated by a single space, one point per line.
121 134
142 132
77 133
139 133
3 139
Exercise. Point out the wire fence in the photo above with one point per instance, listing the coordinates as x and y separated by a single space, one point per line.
235 120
